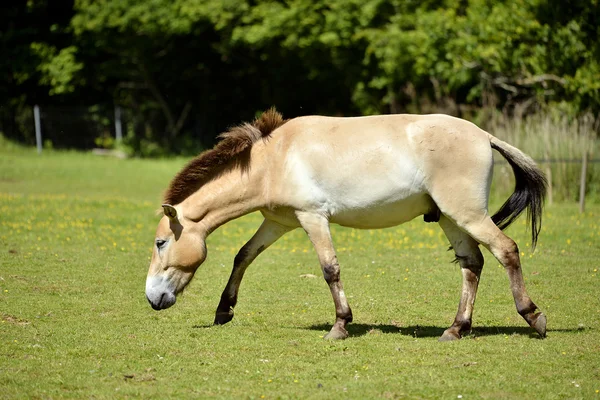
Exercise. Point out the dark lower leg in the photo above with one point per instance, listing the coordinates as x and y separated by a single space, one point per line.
343 313
462 321
228 300
470 259
266 235
525 306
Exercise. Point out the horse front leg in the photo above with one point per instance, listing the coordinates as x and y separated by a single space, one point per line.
317 228
265 236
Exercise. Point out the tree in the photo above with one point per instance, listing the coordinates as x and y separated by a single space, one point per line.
37 59
187 69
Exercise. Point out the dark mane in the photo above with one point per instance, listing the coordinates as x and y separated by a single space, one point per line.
233 143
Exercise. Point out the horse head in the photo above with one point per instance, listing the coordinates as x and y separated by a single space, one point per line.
179 249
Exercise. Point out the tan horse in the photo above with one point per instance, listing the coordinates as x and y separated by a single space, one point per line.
365 172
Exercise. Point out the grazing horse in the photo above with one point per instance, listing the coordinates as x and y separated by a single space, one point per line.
363 172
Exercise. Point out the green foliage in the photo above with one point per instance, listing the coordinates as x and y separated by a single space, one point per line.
58 68
189 69
105 142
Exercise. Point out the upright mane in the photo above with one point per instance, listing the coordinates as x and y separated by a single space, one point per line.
232 144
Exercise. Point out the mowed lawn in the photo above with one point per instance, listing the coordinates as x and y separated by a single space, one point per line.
76 232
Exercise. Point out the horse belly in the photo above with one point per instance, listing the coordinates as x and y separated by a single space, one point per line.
385 197
376 216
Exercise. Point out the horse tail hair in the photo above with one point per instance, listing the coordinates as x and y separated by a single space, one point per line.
530 190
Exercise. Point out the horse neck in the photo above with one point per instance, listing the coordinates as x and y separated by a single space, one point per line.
232 194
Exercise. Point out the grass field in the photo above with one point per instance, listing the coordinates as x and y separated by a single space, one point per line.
75 239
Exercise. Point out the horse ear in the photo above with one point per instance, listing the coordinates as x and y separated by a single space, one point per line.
170 212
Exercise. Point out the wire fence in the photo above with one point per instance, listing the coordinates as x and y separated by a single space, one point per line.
583 177
101 126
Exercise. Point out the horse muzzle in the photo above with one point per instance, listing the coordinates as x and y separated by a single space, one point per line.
159 293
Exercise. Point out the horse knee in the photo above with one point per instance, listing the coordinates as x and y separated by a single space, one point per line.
331 272
241 256
246 255
473 262
508 255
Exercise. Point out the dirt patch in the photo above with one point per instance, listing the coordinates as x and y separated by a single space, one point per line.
14 320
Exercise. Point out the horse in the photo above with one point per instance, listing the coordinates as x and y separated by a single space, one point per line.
365 172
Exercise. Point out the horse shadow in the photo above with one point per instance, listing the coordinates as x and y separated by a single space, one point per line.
421 331
428 331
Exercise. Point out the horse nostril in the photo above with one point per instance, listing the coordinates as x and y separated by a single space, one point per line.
155 306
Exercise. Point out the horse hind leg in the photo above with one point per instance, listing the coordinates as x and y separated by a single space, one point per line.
470 259
506 252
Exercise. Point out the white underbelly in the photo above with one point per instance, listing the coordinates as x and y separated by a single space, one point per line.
376 216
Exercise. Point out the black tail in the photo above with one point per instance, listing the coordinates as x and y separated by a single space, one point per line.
530 190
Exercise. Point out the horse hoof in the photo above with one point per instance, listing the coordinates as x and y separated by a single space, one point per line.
221 318
336 334
448 336
540 325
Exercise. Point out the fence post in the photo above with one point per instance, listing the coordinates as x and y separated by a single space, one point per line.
118 127
582 182
549 177
38 128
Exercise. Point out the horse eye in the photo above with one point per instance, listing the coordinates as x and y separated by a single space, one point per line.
160 243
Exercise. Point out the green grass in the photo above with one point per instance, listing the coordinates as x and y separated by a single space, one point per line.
75 238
